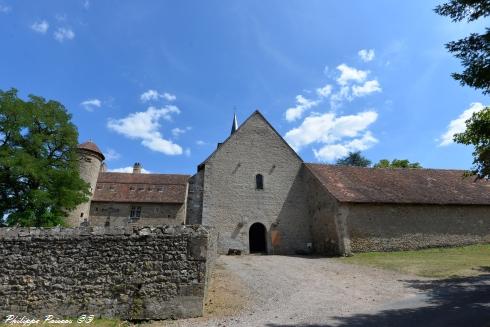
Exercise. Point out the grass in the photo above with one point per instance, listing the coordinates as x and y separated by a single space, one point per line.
439 262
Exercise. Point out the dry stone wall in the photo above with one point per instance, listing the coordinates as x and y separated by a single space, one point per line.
130 273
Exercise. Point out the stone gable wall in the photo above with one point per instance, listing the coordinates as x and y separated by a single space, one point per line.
130 273
232 203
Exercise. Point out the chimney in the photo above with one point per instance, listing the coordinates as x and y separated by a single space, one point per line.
137 168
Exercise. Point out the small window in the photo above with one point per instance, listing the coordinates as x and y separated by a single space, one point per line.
135 212
259 182
81 215
131 188
99 187
111 188
141 189
96 209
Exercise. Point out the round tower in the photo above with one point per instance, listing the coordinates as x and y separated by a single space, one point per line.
91 159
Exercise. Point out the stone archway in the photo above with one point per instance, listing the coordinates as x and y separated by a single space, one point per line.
257 238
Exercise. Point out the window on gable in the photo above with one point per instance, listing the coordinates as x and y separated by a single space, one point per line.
259 182
135 212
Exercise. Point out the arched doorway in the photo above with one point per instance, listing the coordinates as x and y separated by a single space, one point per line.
257 238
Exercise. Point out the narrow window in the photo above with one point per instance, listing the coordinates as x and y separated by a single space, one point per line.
81 215
259 182
135 212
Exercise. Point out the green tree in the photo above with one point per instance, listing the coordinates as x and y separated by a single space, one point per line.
474 50
396 163
39 177
474 53
478 134
354 159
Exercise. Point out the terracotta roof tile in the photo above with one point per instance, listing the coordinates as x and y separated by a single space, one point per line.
91 146
385 185
150 188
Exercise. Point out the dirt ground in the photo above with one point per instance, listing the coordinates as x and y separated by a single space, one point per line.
257 290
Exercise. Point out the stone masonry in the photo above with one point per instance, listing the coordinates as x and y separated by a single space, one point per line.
130 273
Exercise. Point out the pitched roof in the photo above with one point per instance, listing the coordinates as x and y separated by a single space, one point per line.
387 185
150 188
258 114
92 147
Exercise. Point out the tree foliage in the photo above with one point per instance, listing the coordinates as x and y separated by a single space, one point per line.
474 53
39 177
474 50
397 163
354 159
478 134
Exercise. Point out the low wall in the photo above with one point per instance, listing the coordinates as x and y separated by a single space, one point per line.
393 227
130 273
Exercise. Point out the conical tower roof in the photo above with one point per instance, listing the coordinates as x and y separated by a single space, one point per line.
91 147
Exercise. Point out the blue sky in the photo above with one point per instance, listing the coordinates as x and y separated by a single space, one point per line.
157 81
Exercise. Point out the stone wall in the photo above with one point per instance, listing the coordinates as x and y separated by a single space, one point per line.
392 227
194 198
232 203
323 212
130 273
152 214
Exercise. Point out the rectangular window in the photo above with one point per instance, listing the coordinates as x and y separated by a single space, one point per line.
135 212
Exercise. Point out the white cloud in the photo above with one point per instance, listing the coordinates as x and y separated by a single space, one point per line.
365 89
331 152
458 125
62 34
149 95
366 55
169 97
112 154
324 91
334 132
86 4
5 9
128 169
40 27
201 142
153 95
144 125
187 152
348 74
176 132
91 104
302 104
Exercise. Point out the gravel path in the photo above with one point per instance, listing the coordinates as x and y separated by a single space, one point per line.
257 290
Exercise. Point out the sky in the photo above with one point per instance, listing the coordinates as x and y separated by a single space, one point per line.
158 82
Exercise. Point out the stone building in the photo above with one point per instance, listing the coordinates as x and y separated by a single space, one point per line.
261 197
121 199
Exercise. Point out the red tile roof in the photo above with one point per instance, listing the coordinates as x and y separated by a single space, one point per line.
91 146
150 188
385 185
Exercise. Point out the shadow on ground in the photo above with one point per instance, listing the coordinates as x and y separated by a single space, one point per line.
459 301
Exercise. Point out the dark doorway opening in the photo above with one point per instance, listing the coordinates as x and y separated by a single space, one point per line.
257 238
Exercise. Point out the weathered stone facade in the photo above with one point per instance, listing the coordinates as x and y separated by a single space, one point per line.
392 227
151 214
232 202
90 164
130 273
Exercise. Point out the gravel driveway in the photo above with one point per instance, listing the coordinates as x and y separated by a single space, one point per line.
257 290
